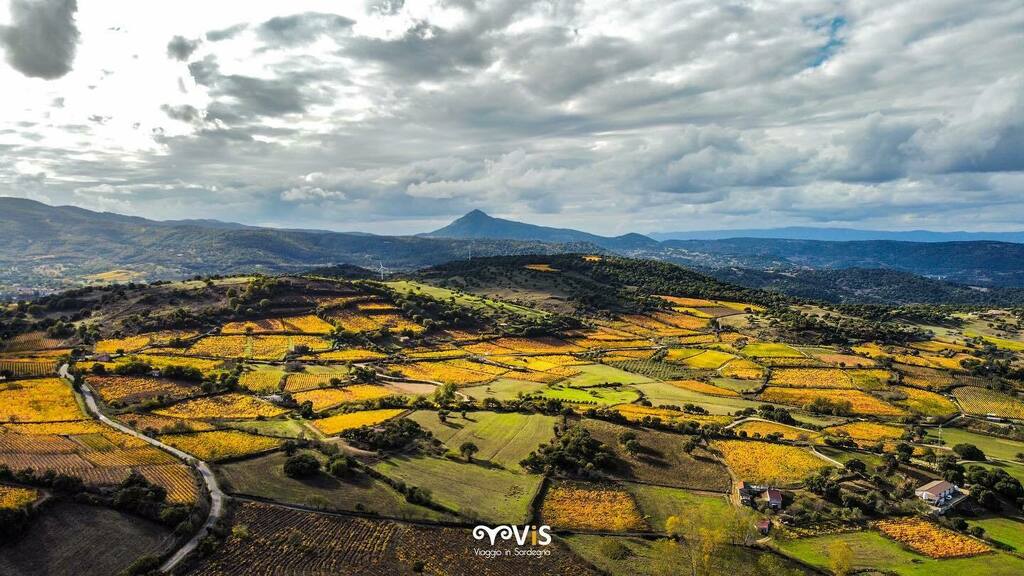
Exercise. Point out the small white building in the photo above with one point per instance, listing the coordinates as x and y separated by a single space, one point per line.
936 492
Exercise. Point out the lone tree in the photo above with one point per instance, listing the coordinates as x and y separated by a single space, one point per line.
856 466
969 452
467 449
445 394
301 466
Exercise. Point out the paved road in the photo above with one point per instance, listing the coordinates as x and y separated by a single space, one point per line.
216 495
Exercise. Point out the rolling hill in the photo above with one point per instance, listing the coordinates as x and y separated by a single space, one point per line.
49 248
52 247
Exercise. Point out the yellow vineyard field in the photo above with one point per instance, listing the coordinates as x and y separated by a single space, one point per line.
324 398
767 463
220 444
582 507
983 402
333 425
226 406
931 540
40 400
307 324
860 402
12 498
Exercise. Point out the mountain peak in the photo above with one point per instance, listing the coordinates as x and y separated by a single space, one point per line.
476 215
478 224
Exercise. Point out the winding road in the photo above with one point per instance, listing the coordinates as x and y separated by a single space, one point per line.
216 495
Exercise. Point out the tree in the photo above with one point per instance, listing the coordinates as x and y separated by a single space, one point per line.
444 394
840 558
341 467
467 449
856 466
702 535
691 443
969 452
301 466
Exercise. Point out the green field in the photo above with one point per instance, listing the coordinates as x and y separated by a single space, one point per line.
503 389
992 447
467 300
1003 530
654 369
609 396
475 491
265 477
737 385
70 538
286 428
595 374
657 503
872 550
1015 470
661 393
1014 345
661 459
872 460
503 438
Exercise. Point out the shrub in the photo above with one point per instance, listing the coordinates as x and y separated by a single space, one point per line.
301 466
613 549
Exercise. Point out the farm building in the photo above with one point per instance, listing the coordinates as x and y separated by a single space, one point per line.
747 492
764 526
936 491
750 494
772 498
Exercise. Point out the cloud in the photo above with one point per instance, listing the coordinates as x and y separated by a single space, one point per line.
302 29
226 33
385 7
308 193
239 97
610 116
184 112
181 48
42 39
989 137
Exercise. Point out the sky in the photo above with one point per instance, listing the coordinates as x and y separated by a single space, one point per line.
608 116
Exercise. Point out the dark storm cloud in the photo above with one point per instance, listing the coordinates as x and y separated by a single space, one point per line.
42 38
180 48
301 29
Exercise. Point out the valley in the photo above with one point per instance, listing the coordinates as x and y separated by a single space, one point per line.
642 410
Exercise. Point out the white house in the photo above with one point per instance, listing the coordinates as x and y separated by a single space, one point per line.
936 492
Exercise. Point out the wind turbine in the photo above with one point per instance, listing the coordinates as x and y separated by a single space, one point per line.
381 268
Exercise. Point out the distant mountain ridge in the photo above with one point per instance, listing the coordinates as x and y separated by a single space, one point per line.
477 224
840 235
48 248
53 247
